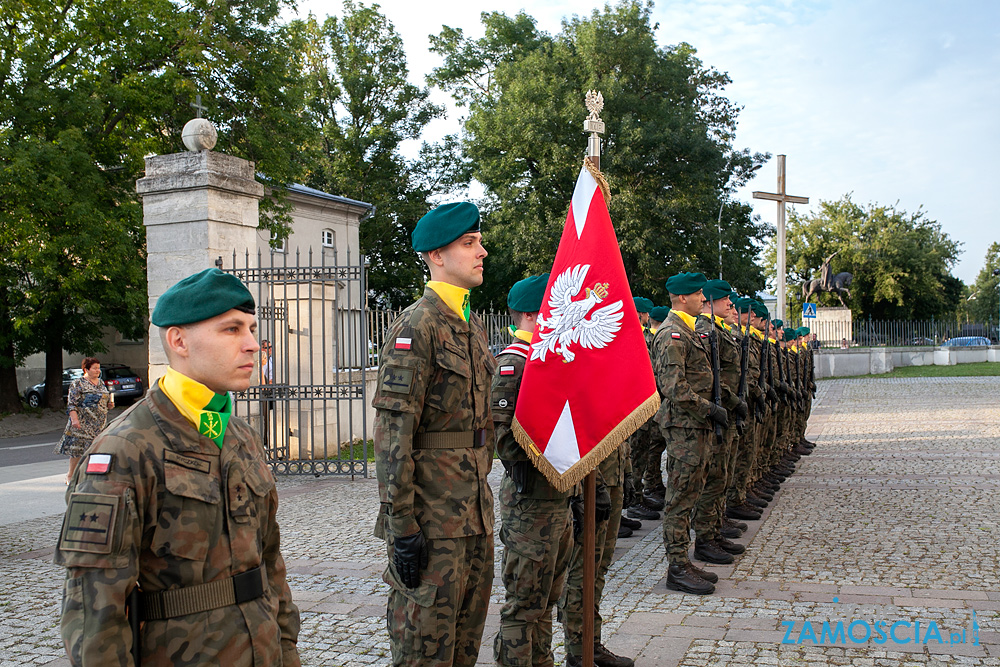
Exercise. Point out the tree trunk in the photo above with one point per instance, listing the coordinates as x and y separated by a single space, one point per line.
54 365
10 400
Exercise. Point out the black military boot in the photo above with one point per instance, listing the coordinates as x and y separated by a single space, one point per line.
652 502
744 512
754 501
631 523
731 547
684 578
710 577
624 531
738 525
640 512
605 658
801 451
732 532
710 552
762 492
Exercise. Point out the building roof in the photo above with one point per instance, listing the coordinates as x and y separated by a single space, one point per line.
313 192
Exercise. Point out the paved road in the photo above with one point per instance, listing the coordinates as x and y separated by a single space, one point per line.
893 519
29 449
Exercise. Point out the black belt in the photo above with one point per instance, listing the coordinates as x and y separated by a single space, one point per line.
450 439
236 589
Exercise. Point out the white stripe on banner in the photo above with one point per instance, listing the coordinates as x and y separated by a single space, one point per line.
583 194
563 451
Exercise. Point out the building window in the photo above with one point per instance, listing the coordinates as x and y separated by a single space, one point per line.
277 247
328 238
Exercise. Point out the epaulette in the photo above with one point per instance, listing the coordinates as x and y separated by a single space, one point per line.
518 347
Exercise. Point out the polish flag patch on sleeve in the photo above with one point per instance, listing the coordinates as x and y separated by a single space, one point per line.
506 370
98 464
403 343
675 334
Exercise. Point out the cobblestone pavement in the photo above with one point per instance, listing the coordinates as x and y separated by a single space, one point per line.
893 519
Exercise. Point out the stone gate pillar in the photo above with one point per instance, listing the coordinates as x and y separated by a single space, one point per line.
196 206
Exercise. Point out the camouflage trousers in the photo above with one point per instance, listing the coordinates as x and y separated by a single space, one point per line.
571 602
647 449
745 461
440 622
538 536
688 456
712 501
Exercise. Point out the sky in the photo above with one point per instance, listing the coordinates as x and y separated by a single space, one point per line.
895 102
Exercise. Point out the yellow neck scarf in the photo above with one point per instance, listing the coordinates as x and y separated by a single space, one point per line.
456 297
207 411
688 320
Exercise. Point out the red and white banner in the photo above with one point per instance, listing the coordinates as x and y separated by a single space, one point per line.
588 384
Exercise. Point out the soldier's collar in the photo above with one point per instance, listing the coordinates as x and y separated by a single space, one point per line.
207 411
687 319
521 334
456 297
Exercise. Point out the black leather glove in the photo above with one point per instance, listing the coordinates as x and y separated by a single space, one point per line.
576 507
409 556
718 414
519 474
761 404
628 498
602 506
772 395
741 409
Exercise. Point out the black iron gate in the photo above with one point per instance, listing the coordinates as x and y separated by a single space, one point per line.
308 400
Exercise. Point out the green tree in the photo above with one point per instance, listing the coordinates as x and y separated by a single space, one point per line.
87 89
982 300
358 94
901 261
668 153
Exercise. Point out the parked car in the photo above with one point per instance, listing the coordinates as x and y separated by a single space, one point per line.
921 340
34 395
966 341
122 380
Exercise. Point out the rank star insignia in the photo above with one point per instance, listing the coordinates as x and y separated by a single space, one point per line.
211 425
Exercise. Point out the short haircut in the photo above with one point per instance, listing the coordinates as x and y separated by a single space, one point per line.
88 362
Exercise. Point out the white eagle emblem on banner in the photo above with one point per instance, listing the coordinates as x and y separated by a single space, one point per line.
568 322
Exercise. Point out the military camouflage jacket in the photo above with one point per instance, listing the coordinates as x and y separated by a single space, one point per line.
729 359
683 371
503 395
155 502
753 363
433 427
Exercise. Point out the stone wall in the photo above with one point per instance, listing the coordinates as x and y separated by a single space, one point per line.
877 360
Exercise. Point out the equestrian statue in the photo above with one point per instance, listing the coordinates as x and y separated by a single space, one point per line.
838 284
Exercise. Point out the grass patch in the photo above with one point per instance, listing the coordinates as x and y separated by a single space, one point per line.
356 451
979 369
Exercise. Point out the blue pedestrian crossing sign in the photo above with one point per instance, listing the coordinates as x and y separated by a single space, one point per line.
808 310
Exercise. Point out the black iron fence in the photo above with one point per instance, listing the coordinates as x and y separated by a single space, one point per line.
899 333
379 320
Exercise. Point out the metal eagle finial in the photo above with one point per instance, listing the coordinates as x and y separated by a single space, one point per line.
595 102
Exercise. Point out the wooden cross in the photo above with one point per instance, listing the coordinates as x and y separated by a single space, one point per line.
197 105
781 198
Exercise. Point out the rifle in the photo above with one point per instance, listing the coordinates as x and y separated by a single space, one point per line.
744 360
765 361
783 385
133 609
713 339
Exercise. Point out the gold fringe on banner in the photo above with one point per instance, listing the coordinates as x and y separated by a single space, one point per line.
565 481
599 177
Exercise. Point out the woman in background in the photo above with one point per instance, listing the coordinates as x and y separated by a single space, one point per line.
88 404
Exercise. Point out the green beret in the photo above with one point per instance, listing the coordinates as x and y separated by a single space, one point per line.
803 331
685 283
642 304
659 313
200 297
444 224
759 309
790 335
526 295
716 289
777 323
741 303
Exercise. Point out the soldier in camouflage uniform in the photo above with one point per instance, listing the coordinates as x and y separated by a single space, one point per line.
175 497
536 525
710 545
608 509
643 444
433 452
686 417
